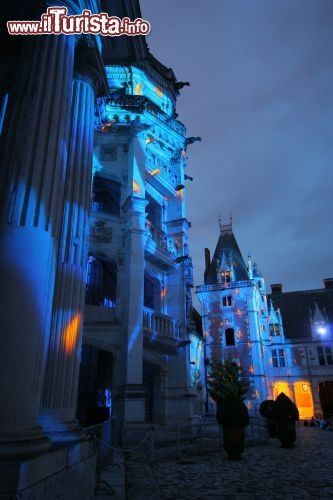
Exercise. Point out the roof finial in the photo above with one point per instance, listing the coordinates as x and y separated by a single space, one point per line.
225 228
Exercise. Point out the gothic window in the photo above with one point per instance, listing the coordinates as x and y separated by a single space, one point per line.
101 286
229 337
278 358
325 355
106 195
274 329
227 301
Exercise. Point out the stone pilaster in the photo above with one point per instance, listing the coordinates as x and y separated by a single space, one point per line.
57 415
134 397
34 156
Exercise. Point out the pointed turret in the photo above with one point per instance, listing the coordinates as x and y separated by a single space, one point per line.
227 264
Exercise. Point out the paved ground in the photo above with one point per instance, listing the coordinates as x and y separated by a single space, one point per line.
266 471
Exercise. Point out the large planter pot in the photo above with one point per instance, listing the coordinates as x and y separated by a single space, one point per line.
233 416
234 441
286 433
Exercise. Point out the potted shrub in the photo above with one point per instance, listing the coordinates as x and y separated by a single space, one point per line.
285 413
227 388
266 411
233 416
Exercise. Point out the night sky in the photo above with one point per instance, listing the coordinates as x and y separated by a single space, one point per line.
261 98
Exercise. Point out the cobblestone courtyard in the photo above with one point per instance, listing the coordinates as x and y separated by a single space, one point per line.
265 471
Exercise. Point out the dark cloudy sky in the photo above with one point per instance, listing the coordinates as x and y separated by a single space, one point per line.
261 98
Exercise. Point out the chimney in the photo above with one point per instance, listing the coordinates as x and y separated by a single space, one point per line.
328 283
207 259
276 288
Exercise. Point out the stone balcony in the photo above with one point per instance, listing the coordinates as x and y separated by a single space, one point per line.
161 332
225 286
160 248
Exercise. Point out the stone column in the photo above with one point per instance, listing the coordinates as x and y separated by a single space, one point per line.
134 396
33 156
57 415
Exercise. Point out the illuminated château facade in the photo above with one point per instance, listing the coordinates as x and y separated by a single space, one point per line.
138 300
283 342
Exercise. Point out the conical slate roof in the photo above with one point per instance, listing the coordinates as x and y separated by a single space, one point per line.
227 253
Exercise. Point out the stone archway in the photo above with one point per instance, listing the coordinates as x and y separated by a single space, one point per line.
95 385
152 381
281 386
304 399
326 397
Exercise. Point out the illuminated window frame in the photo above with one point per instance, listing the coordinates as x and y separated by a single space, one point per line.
278 358
325 356
274 329
227 301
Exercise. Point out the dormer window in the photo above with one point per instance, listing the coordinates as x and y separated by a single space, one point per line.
225 276
274 329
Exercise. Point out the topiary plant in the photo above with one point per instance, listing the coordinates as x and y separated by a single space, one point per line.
266 408
232 412
285 413
224 380
284 409
266 411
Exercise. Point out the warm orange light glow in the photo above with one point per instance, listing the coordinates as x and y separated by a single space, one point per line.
281 387
251 369
163 292
136 187
138 88
158 91
150 139
180 193
154 172
183 154
70 333
107 126
239 334
304 400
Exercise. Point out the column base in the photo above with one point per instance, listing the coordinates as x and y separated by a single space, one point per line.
61 430
27 443
65 472
134 398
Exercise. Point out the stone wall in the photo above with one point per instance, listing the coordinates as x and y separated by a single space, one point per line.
67 473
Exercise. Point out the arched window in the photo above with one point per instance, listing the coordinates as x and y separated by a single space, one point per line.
229 337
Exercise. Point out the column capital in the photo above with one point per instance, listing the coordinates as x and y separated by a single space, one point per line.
89 64
135 205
